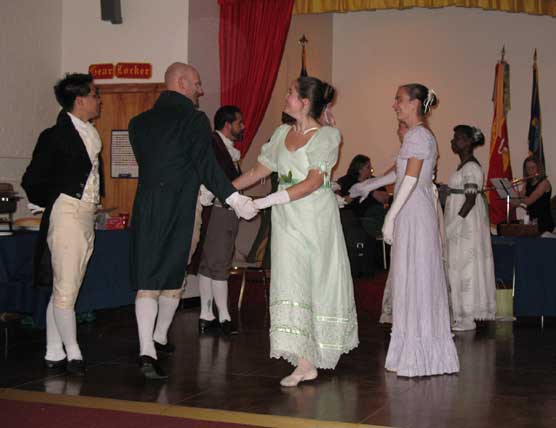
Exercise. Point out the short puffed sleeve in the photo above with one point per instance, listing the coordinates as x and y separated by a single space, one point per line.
269 151
472 177
418 143
322 151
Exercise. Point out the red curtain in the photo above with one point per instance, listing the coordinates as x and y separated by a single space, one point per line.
252 38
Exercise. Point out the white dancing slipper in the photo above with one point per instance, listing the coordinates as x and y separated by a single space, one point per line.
385 318
464 326
294 379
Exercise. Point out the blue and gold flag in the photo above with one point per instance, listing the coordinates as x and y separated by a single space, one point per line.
535 134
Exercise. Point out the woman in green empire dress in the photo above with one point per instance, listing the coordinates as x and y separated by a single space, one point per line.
312 309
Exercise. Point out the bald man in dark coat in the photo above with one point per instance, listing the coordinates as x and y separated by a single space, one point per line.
173 148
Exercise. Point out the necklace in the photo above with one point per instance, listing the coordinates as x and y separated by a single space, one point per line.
314 128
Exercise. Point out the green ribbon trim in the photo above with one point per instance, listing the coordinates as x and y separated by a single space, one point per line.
291 303
321 318
298 332
336 320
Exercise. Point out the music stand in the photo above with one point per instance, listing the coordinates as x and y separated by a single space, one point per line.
505 190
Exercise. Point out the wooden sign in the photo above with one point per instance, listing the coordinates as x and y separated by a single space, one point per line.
133 70
102 71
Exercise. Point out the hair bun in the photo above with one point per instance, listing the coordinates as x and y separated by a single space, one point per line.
319 93
328 93
478 137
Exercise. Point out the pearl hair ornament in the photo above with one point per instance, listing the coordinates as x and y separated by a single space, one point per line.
477 133
431 95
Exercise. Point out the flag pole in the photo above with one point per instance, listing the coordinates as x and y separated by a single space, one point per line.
303 42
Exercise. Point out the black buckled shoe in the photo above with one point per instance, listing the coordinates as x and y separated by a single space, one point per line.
169 348
226 328
208 327
55 365
150 368
76 367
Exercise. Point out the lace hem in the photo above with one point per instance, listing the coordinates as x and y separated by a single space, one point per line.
476 316
413 357
292 350
318 335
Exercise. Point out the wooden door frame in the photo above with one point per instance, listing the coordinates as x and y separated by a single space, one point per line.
114 88
125 186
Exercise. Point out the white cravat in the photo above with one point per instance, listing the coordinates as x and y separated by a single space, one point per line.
93 145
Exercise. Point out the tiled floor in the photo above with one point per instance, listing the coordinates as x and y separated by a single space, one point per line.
507 378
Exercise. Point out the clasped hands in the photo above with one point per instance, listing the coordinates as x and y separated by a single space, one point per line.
362 189
248 208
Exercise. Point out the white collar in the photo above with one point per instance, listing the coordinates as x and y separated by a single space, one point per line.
235 154
78 123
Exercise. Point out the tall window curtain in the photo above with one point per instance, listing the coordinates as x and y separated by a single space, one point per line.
252 38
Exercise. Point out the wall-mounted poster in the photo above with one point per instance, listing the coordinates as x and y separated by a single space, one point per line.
123 163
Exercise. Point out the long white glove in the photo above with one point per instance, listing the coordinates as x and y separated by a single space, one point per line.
453 227
406 188
341 201
35 209
242 205
206 197
365 187
276 198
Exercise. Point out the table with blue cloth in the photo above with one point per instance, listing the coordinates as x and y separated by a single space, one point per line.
106 283
533 261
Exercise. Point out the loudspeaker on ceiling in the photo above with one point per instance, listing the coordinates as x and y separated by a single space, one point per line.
111 10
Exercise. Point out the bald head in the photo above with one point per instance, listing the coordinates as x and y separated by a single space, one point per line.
184 79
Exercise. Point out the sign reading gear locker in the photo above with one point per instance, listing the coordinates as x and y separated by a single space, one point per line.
122 70
101 71
133 70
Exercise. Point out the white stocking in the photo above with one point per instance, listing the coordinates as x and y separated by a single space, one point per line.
146 309
220 292
65 320
166 309
54 345
205 290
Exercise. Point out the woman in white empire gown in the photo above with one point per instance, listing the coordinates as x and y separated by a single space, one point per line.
313 320
421 342
470 261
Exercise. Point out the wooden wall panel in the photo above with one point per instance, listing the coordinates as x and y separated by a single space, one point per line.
120 103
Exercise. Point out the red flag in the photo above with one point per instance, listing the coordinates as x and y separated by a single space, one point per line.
499 163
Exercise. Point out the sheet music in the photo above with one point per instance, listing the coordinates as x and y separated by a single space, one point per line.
504 188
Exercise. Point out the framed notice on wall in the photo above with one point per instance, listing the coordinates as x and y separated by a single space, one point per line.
122 164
